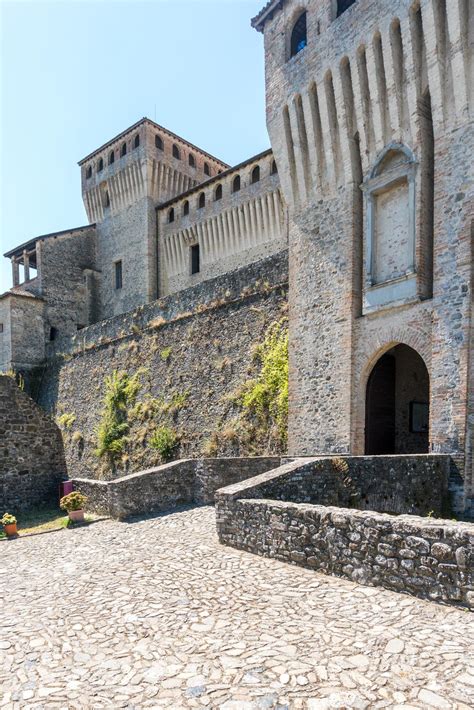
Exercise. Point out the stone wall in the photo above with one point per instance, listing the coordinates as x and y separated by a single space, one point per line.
428 558
233 228
193 350
22 339
62 263
32 460
167 486
372 80
417 485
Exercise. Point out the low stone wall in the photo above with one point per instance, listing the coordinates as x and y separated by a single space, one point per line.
429 558
414 484
32 463
212 474
164 487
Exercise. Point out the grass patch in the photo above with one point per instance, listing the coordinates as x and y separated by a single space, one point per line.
43 519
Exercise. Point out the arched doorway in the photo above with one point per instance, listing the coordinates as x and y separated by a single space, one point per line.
397 404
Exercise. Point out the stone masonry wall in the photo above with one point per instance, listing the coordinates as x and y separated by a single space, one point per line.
32 460
428 558
192 349
164 487
417 484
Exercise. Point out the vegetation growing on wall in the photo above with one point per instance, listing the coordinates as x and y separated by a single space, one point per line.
164 440
260 423
120 394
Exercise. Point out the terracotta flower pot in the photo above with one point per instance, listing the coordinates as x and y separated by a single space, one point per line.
77 516
10 530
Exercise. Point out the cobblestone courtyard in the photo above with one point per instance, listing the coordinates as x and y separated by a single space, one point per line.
157 614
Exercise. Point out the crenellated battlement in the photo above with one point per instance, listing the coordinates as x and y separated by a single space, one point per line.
146 160
234 219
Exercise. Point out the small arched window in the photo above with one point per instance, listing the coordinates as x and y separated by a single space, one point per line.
89 172
191 160
218 193
298 39
123 150
207 170
236 184
111 157
273 169
255 177
136 142
159 142
176 153
100 165
171 215
201 200
107 199
186 208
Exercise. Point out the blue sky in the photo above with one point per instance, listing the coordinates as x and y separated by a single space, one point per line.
74 74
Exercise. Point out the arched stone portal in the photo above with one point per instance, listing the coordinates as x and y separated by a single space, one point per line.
397 404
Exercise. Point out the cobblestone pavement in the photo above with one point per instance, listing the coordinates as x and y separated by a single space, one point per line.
157 614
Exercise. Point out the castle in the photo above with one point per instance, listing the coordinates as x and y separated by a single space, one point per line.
368 185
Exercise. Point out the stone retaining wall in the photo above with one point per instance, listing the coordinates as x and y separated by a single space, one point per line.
414 484
164 487
194 347
428 558
32 461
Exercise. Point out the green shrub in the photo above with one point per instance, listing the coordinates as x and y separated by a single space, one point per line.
164 440
266 396
120 394
165 354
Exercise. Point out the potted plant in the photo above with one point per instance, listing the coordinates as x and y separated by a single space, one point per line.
9 525
74 504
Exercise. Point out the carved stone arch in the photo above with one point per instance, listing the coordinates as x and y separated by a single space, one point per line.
374 346
392 147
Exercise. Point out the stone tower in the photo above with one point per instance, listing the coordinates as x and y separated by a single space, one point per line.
369 111
122 183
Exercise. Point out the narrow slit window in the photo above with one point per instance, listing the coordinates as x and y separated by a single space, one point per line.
118 275
207 170
298 35
100 165
176 153
195 259
236 184
201 200
159 142
171 215
111 157
274 169
186 208
191 160
124 150
218 193
89 172
1 327
136 142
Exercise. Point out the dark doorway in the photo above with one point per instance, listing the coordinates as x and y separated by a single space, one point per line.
397 404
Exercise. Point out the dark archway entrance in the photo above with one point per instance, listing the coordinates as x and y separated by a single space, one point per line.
397 404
